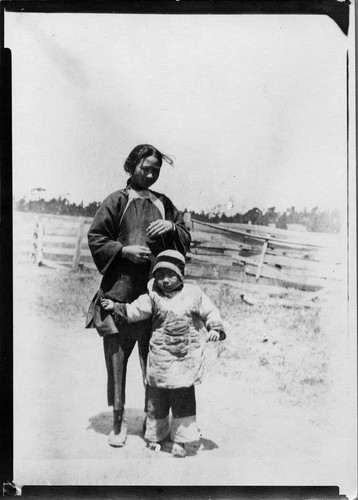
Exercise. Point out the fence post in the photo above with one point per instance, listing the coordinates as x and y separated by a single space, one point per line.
261 261
187 221
77 255
34 242
40 242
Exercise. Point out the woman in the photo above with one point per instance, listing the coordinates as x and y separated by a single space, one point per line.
130 228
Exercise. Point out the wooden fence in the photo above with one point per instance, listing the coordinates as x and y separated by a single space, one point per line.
58 241
306 260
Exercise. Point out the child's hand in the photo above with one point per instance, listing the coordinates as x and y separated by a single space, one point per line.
213 336
107 304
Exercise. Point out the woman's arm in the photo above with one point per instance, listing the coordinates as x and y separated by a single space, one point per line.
177 236
180 234
103 232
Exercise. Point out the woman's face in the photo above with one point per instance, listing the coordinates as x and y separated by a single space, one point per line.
145 173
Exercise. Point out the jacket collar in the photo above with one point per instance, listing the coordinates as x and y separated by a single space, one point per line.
126 190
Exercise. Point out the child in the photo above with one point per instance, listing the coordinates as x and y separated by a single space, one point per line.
131 227
176 349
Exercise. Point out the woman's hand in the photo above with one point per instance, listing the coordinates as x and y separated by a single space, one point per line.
213 336
159 227
136 253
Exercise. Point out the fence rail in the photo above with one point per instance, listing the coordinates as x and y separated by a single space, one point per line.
216 249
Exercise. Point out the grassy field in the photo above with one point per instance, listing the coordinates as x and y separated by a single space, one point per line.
272 337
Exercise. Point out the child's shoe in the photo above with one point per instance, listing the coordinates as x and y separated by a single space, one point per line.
154 446
178 450
159 445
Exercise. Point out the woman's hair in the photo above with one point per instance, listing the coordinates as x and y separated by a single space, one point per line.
143 151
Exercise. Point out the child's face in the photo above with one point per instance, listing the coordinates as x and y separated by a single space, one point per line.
166 279
145 173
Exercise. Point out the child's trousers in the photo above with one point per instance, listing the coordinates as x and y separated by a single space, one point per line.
182 403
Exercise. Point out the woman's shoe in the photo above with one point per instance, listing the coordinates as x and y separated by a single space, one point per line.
118 440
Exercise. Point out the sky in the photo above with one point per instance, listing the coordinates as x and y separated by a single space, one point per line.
252 108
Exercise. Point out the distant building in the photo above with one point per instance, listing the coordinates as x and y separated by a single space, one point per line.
37 194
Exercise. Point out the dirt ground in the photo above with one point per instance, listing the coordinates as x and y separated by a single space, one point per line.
276 407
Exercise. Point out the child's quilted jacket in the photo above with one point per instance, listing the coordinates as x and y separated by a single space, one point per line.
176 349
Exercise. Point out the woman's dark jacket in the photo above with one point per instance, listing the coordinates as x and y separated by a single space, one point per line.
123 280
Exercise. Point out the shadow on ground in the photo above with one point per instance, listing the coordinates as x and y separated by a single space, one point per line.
102 423
192 448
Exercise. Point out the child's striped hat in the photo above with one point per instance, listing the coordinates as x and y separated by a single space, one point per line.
171 259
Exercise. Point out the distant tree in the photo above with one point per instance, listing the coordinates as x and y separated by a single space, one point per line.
225 218
325 222
21 205
252 216
237 218
269 217
313 220
292 216
215 219
282 221
91 209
